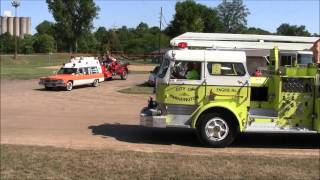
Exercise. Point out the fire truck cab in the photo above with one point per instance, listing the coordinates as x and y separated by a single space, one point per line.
223 99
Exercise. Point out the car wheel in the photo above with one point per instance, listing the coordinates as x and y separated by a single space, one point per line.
69 86
124 75
216 130
48 88
95 83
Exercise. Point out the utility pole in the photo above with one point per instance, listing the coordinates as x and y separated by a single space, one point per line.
160 35
15 4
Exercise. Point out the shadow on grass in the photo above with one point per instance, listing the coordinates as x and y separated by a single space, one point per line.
140 134
145 84
143 88
188 137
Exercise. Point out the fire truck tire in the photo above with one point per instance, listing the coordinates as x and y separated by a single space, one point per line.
95 83
124 75
216 130
69 86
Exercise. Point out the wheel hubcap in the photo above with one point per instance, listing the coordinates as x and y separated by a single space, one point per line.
216 129
69 86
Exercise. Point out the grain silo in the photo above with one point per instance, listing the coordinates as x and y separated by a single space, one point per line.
28 25
23 26
3 25
16 28
10 25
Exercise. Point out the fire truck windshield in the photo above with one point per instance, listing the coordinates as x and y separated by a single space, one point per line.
67 71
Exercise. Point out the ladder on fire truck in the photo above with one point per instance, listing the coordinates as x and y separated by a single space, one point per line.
243 41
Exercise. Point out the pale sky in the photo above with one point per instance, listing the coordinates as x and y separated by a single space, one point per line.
267 15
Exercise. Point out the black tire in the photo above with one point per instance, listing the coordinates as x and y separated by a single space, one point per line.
124 75
95 83
69 86
47 88
216 130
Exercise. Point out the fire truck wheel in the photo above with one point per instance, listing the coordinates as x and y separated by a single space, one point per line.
124 75
95 83
216 130
69 86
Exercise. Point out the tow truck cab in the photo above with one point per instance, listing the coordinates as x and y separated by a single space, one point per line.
225 100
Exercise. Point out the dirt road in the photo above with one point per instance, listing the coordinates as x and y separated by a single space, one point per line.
101 117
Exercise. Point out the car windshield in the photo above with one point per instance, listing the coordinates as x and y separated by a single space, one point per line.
67 71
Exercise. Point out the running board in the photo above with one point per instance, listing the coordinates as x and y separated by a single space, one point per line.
273 128
263 113
281 131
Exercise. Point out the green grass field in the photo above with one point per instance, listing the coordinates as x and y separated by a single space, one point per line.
29 66
35 162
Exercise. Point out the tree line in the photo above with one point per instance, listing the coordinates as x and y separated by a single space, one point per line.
72 30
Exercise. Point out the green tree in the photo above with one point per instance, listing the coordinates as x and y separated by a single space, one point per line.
139 40
6 43
212 22
101 34
74 19
154 30
26 44
88 44
43 43
193 17
292 30
125 34
142 28
45 27
113 41
233 15
315 35
253 30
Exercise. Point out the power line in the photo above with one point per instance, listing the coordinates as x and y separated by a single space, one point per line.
164 18
163 25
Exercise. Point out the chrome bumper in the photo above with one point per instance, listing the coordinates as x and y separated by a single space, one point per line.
52 84
149 118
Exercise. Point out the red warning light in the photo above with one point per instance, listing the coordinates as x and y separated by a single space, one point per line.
182 45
